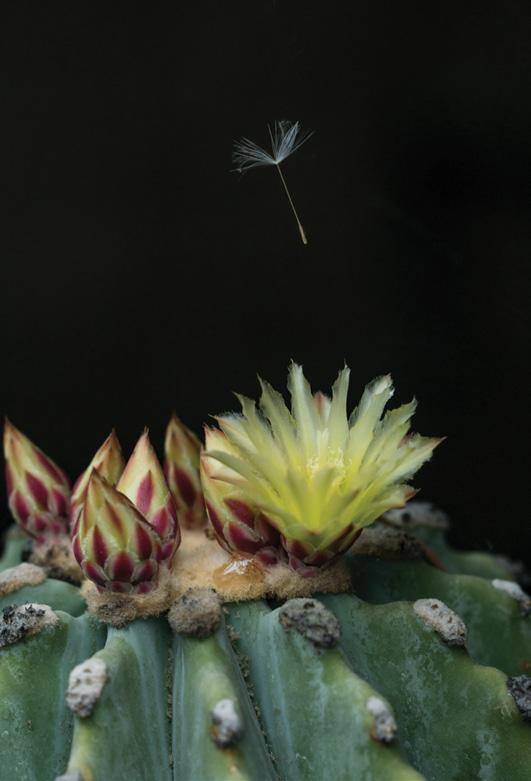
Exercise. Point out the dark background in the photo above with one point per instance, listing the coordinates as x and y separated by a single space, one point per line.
141 276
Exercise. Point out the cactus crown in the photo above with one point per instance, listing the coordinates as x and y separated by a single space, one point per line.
314 470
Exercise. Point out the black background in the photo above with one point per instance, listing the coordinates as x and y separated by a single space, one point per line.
141 276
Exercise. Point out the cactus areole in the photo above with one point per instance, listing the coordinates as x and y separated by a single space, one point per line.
136 641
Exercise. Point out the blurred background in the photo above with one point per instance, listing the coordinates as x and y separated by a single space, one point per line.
140 275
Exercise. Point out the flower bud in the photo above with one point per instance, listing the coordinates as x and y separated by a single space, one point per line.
143 482
108 462
181 467
38 490
306 559
238 524
114 545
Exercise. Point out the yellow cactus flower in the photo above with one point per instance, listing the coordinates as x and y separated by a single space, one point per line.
318 475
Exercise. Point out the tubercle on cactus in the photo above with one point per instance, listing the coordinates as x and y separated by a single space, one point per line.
312 690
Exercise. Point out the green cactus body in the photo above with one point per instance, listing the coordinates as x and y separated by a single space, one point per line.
463 562
312 705
266 699
128 734
206 672
35 723
457 719
15 545
55 593
498 634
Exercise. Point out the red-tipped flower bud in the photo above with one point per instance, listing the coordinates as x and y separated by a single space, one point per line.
143 482
38 490
239 525
181 467
114 545
108 462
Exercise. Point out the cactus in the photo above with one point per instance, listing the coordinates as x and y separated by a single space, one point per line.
420 669
355 685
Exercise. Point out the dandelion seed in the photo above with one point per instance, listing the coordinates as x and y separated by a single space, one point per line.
286 138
